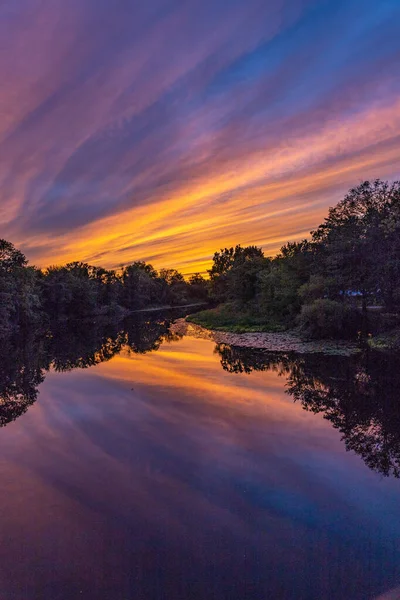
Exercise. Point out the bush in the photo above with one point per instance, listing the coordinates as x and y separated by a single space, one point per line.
329 319
387 342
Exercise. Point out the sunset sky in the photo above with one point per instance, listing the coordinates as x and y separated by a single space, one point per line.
162 130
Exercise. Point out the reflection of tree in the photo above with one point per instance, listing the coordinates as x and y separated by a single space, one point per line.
24 362
358 395
21 372
361 399
144 334
244 360
84 346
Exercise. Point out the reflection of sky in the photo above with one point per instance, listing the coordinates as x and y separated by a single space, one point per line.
164 130
164 474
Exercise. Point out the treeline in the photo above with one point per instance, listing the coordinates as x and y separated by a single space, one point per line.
30 296
324 284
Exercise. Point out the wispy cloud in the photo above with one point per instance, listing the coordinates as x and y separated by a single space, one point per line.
163 132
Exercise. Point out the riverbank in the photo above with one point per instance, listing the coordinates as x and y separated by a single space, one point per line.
168 307
275 342
388 341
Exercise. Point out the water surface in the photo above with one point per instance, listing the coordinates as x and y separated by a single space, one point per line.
172 469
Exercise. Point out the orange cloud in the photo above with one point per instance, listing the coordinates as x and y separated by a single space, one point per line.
165 132
270 197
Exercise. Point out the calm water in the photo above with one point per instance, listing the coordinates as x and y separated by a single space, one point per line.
172 469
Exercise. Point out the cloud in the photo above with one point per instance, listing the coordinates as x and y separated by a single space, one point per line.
164 132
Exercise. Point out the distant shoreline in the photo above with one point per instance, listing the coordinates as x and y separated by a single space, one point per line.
168 307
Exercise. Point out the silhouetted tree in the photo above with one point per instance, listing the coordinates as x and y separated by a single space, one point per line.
198 287
176 286
358 245
19 290
234 274
139 286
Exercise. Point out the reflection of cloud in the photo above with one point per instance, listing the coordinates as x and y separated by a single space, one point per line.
391 595
165 132
162 464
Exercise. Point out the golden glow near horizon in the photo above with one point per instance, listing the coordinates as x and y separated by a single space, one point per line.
116 147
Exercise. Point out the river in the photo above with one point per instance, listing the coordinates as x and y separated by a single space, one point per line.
138 464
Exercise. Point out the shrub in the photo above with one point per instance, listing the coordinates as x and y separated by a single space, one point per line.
388 341
329 319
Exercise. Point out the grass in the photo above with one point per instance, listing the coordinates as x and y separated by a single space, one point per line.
227 318
386 342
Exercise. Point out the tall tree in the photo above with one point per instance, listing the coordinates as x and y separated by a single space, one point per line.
358 244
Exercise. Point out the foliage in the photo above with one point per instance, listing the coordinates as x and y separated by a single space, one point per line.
358 245
19 290
198 287
11 259
30 297
328 319
140 287
234 274
388 341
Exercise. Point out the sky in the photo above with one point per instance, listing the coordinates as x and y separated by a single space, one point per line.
167 129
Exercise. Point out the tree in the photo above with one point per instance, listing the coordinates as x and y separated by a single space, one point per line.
198 287
358 244
11 259
234 273
177 287
140 286
280 284
70 291
19 290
